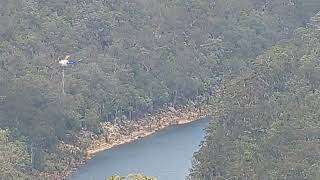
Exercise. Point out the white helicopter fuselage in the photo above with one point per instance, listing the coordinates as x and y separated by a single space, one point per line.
64 62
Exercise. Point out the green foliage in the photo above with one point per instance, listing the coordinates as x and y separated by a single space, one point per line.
132 177
249 148
268 118
137 56
14 157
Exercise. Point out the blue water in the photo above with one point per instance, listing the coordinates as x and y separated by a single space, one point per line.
166 155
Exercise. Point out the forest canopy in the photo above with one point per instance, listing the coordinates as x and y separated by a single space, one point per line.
268 122
140 56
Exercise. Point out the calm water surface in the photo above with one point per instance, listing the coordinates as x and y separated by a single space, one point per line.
166 155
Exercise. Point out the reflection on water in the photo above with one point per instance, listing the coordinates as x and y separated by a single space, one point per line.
166 155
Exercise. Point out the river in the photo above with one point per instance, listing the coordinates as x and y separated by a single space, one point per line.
166 155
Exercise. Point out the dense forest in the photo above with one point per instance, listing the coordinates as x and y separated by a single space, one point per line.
267 126
139 56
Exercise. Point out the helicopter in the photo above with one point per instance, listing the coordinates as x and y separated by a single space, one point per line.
66 61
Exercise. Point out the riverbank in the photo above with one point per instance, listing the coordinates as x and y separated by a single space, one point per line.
129 131
150 155
122 132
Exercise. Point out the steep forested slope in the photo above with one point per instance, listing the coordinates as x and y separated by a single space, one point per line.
268 126
136 57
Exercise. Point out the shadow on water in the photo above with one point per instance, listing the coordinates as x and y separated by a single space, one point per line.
166 155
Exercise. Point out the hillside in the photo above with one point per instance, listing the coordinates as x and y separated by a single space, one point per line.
268 122
137 57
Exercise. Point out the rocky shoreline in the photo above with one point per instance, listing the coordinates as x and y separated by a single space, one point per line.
115 134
